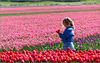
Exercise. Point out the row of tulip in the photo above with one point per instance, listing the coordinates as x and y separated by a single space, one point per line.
92 43
30 30
51 56
47 9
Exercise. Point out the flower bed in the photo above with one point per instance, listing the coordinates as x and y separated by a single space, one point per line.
30 30
47 9
50 56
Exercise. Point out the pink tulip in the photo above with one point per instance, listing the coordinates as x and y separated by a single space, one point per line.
23 30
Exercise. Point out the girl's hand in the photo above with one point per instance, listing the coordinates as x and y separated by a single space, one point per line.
60 38
57 31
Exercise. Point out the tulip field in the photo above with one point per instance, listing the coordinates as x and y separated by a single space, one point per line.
46 9
28 35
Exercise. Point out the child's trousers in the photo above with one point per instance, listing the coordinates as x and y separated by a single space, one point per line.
68 44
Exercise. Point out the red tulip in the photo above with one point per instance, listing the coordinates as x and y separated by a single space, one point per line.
11 49
17 58
22 61
38 59
11 61
35 51
48 50
80 60
77 58
74 50
5 51
61 51
44 59
27 51
40 51
35 60
23 51
69 59
97 51
56 50
48 58
97 60
19 52
68 50
26 59
57 31
84 62
31 59
20 58
7 60
59 60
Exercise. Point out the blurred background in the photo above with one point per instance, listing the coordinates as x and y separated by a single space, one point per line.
29 3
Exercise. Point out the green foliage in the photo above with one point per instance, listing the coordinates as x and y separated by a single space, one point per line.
40 0
25 3
59 46
44 12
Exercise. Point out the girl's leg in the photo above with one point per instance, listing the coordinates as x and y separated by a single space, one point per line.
72 46
64 47
68 44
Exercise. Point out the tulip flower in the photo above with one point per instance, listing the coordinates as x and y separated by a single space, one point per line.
22 61
74 50
57 31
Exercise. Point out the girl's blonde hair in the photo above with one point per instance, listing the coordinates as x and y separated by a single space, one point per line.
68 20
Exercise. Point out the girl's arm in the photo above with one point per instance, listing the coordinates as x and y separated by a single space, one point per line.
66 34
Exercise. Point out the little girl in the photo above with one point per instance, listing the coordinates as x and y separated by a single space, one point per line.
67 36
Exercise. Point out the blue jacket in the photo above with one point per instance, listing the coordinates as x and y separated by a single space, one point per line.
67 35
